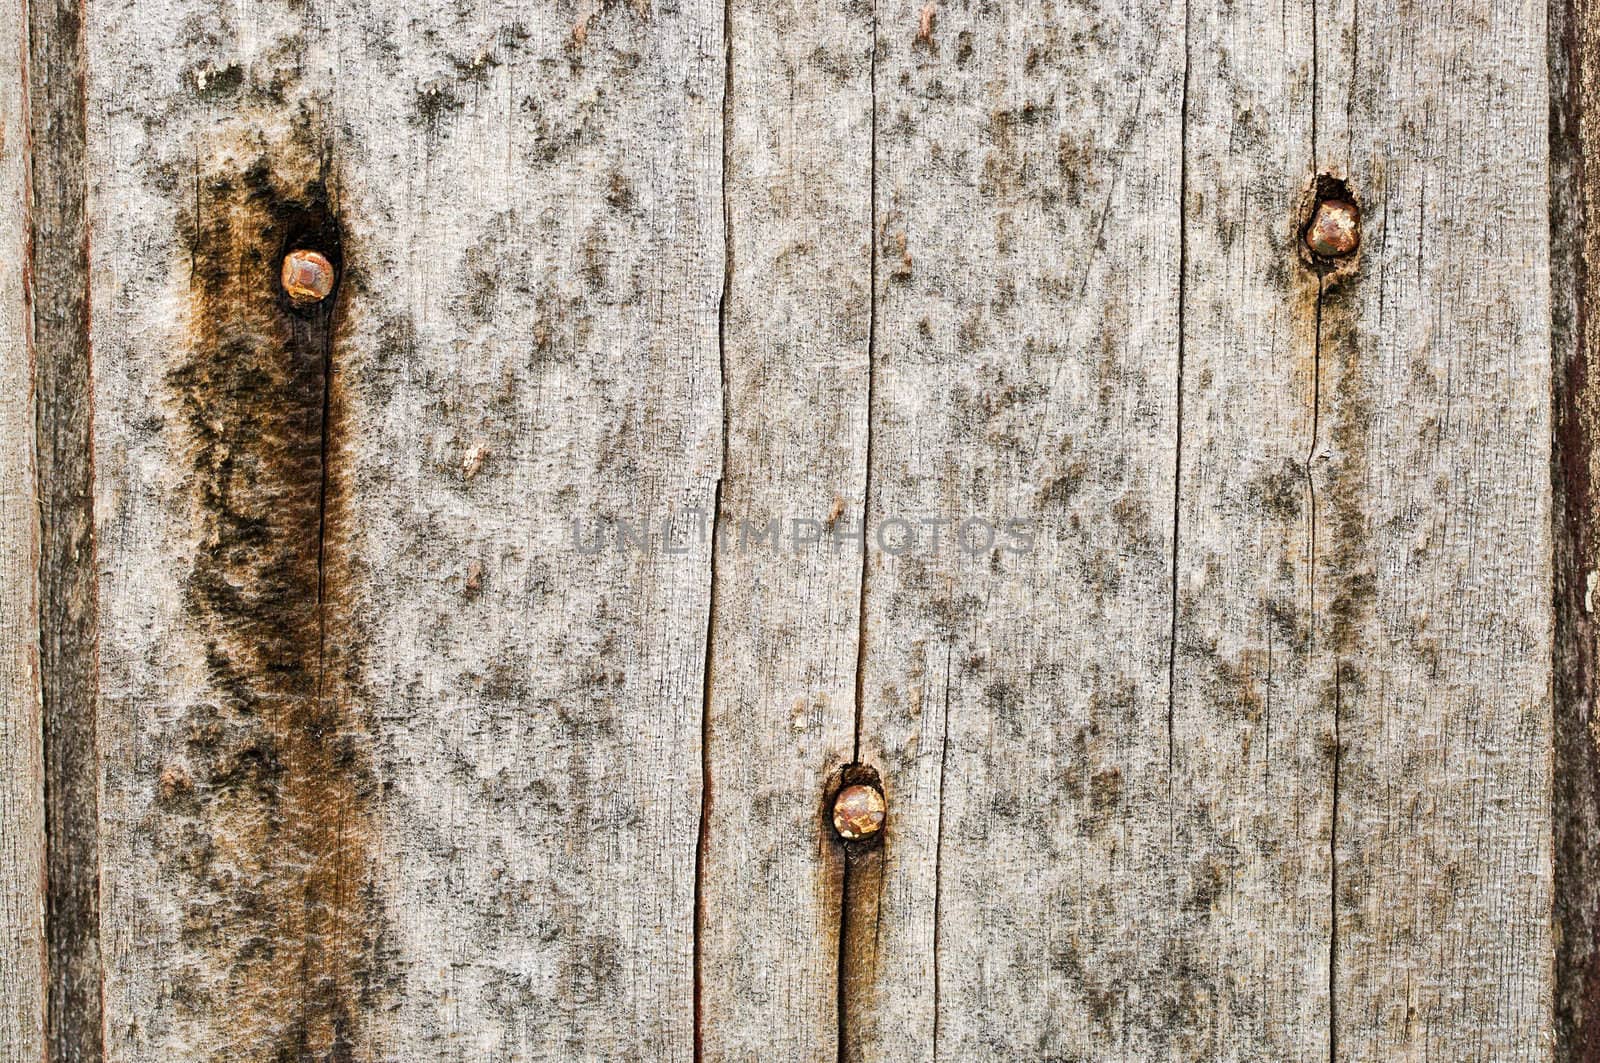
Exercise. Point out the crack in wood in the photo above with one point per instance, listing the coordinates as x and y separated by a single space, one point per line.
861 874
703 834
1574 58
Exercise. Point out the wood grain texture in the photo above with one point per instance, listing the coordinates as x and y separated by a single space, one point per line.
1253 710
1574 36
1200 627
22 840
1015 695
782 683
393 768
1434 460
68 605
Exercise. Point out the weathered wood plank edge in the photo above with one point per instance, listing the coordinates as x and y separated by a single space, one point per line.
860 891
1574 43
22 835
67 596
703 835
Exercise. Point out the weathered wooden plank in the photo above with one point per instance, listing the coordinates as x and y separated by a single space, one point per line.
59 267
22 848
1435 465
781 711
1574 36
1016 690
393 768
1253 701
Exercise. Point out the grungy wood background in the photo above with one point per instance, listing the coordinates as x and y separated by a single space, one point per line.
326 733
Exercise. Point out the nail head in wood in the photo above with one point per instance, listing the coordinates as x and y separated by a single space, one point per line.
858 812
1335 229
307 277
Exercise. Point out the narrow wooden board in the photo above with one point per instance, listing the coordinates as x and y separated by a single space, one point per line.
393 768
1016 690
22 849
782 683
1435 465
1574 35
1253 709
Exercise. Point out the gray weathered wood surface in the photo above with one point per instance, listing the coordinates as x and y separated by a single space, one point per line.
22 853
436 719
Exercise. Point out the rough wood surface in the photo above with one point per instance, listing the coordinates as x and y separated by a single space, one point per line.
1200 629
1435 463
59 248
1253 710
1015 690
1575 256
22 840
781 714
392 768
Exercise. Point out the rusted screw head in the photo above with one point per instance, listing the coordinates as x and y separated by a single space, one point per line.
1335 229
858 812
307 277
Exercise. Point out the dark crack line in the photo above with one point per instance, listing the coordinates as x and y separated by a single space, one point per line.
1333 879
1177 450
872 342
938 852
1311 599
703 830
1311 578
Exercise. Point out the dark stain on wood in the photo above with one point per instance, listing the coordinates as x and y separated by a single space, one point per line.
859 873
278 932
1575 343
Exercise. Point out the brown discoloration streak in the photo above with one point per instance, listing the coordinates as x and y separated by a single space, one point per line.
860 890
277 932
1575 248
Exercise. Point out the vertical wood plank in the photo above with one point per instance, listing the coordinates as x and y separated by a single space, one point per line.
538 348
1016 689
22 846
1574 35
394 768
1253 684
1437 462
68 625
781 710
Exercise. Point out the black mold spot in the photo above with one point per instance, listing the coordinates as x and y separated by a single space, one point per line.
432 104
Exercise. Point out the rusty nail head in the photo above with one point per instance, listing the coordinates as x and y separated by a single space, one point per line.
1335 229
307 277
858 812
